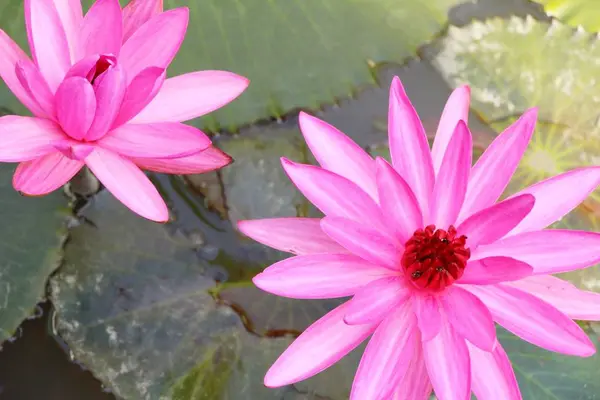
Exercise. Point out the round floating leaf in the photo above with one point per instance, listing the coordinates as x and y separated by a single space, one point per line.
31 237
585 13
296 53
512 65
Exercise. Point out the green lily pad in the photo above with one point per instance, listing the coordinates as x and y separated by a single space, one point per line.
515 64
32 233
296 54
585 13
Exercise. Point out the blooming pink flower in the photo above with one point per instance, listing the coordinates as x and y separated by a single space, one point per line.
97 89
430 257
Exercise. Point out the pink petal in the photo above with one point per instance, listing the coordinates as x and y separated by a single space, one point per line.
448 364
71 17
456 109
319 276
110 89
398 202
363 241
45 174
137 13
36 87
204 161
141 51
294 235
192 95
142 89
10 55
469 317
534 320
491 270
373 302
451 182
169 139
73 149
427 310
75 106
47 41
493 223
549 251
102 29
492 172
415 384
557 196
337 153
321 345
86 67
128 184
577 304
387 356
493 377
408 145
26 138
334 195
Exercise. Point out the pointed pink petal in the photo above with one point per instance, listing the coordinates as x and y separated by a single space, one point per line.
45 174
491 270
295 235
128 184
204 161
26 138
321 345
141 51
363 241
408 145
557 196
73 149
492 172
456 109
142 89
102 29
47 41
427 310
447 360
335 195
577 304
192 95
398 202
387 357
71 17
137 13
110 89
10 55
534 320
469 317
549 251
320 276
75 106
415 385
493 375
493 223
37 89
451 182
373 302
169 139
337 153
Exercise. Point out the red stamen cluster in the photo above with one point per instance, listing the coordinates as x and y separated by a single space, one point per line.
434 259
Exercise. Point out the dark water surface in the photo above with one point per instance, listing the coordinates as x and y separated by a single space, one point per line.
35 366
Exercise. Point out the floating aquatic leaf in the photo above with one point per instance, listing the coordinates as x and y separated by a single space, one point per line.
583 13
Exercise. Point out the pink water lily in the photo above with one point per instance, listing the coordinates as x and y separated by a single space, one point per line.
430 257
98 91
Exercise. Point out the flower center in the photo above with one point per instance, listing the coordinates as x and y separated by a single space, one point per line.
434 258
101 66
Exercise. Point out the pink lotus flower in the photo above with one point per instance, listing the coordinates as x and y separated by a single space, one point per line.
97 90
430 257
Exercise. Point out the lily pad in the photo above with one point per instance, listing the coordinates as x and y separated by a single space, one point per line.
515 64
585 13
32 233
